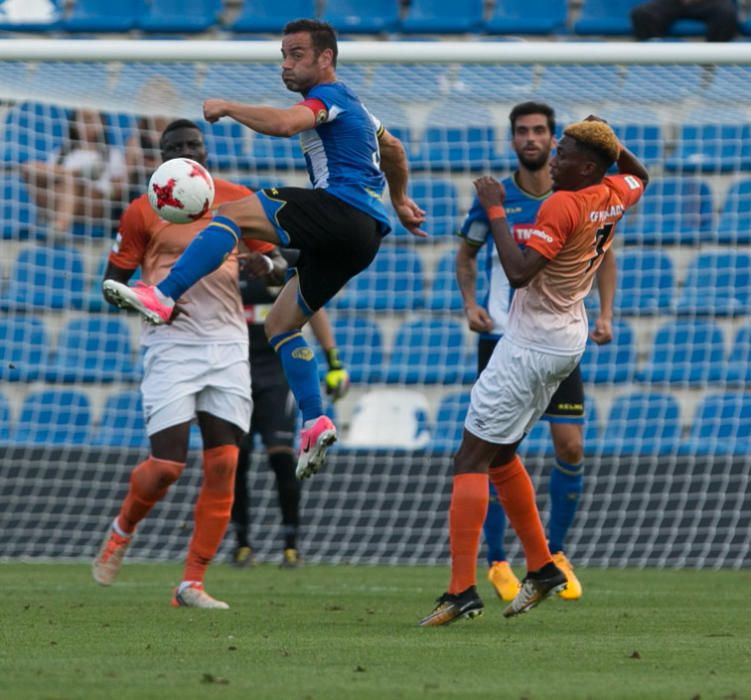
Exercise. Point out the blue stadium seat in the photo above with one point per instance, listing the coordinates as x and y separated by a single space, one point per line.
647 84
721 426
45 278
673 211
606 17
614 362
121 424
32 22
449 422
53 417
183 16
144 85
276 153
93 349
271 15
735 216
415 82
685 352
717 284
487 82
457 149
527 17
362 16
360 344
393 282
4 419
539 443
712 148
429 352
23 348
19 215
730 85
51 80
443 16
439 198
738 370
563 83
642 424
103 16
646 282
643 140
32 131
226 145
251 82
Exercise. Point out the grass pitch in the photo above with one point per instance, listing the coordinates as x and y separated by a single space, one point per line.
327 632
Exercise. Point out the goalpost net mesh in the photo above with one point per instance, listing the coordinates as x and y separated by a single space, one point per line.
668 434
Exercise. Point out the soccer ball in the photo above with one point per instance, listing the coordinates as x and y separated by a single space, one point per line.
181 190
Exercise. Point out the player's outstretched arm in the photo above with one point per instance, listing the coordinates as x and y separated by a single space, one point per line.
272 121
606 283
395 168
519 264
466 277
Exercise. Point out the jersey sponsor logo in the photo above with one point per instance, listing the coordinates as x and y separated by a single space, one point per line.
513 210
632 182
616 211
523 234
303 354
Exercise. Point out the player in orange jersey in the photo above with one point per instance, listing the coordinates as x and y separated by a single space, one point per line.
544 340
196 367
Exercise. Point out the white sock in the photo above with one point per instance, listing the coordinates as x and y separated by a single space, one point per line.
116 527
187 584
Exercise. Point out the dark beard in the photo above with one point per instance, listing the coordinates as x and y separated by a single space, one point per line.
535 164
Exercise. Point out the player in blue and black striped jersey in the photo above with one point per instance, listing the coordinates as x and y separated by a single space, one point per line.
337 226
532 139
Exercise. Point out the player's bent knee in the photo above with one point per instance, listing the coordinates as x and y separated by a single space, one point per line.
155 475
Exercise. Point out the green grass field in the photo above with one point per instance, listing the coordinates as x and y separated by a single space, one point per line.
350 632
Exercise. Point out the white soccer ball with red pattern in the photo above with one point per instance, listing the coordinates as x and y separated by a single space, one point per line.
181 190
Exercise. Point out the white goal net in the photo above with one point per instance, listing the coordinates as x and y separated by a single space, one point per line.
668 436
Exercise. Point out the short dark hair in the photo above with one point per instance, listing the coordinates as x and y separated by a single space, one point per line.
177 124
525 108
322 34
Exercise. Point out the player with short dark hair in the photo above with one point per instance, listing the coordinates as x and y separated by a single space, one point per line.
532 139
196 368
337 226
543 342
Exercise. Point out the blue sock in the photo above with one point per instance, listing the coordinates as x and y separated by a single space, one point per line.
301 370
565 488
494 528
205 253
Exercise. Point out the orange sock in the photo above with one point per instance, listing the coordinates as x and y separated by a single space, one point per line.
213 509
469 505
517 496
149 483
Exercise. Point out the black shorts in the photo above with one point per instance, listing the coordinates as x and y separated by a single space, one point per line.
274 416
335 240
566 405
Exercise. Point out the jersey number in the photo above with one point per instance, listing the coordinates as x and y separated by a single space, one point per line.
601 237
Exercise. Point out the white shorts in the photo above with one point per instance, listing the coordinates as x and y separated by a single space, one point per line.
180 380
513 391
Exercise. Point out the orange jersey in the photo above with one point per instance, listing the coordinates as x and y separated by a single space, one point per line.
213 305
573 230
